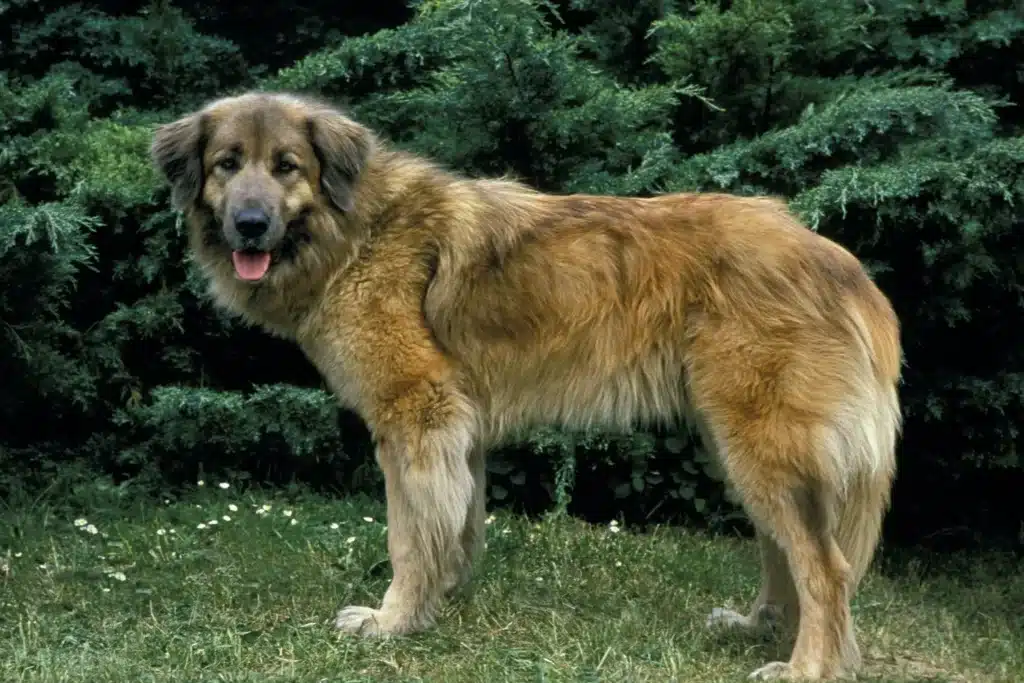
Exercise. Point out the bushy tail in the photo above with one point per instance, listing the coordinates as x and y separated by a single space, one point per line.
860 521
872 468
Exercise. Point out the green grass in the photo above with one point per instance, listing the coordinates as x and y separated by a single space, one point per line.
152 597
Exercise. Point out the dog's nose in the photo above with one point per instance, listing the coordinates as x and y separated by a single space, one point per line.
252 223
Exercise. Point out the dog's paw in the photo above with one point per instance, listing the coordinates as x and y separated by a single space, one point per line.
768 618
781 671
773 671
371 623
721 617
361 621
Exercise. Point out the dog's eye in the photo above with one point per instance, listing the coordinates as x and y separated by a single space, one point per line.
227 164
285 166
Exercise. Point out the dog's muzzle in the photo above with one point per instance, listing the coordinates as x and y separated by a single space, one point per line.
252 226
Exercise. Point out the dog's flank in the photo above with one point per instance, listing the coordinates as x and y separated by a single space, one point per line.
453 313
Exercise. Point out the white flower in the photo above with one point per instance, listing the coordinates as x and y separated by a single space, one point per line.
91 528
224 485
368 520
161 532
212 522
334 525
294 521
233 507
226 518
350 540
489 520
119 576
81 521
618 564
106 590
17 554
200 526
200 483
287 513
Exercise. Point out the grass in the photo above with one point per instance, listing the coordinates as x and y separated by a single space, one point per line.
165 594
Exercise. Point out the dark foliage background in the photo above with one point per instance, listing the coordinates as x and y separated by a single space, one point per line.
893 127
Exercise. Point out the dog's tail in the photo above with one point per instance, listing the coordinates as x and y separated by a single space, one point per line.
860 521
871 435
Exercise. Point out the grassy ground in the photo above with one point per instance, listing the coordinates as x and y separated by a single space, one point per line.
239 587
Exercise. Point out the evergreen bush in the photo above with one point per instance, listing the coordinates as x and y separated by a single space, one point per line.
890 126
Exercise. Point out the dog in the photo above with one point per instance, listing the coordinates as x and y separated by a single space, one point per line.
452 313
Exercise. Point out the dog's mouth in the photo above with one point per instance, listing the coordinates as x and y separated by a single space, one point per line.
251 264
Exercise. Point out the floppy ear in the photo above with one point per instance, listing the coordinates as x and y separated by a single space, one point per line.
342 146
176 152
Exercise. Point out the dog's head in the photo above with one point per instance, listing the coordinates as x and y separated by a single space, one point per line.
257 170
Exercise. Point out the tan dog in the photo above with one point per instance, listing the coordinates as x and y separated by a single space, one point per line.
451 313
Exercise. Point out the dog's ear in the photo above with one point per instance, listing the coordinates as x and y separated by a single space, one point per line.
176 152
342 147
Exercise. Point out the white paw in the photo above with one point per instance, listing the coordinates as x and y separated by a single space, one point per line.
362 621
726 618
772 672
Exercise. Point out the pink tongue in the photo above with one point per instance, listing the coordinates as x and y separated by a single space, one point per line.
251 265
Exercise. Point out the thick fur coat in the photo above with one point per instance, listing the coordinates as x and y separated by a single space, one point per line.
451 313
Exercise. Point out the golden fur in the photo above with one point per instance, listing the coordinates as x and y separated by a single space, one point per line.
451 313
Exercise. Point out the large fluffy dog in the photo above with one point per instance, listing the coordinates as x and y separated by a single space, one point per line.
449 312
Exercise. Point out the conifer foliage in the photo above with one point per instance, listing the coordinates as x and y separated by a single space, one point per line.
892 127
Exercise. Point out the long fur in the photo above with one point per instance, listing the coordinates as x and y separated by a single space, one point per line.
454 313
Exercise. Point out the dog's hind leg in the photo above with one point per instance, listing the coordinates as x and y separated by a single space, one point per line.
773 465
776 605
430 487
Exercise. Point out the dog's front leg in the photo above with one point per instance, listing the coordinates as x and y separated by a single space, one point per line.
425 438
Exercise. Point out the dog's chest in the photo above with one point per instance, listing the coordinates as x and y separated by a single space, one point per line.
339 370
